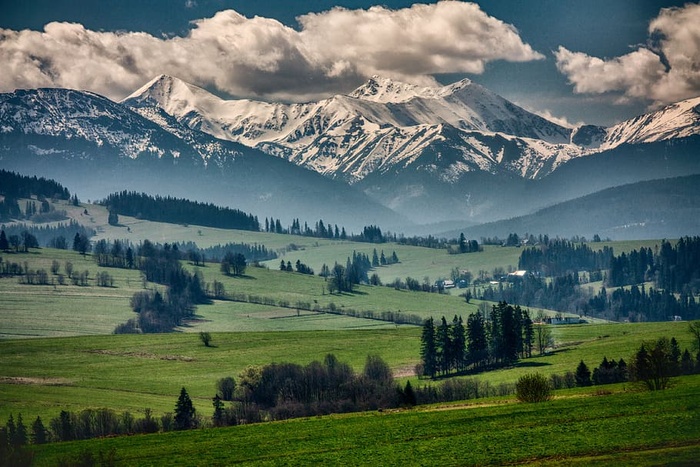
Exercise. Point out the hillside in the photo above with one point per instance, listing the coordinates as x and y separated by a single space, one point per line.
618 428
665 208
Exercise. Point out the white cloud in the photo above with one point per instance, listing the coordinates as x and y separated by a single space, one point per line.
332 52
559 120
667 71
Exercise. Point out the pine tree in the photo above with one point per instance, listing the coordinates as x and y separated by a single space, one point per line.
185 412
477 344
583 375
39 433
528 335
459 344
113 217
443 345
20 437
218 417
4 244
428 352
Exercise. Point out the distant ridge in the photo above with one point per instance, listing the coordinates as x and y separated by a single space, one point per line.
656 209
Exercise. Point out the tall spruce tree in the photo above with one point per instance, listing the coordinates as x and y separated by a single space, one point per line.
583 375
477 343
443 344
185 413
428 352
459 344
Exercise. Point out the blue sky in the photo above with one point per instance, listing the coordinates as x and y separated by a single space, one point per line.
593 61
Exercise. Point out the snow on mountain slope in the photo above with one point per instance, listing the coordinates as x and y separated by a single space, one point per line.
381 124
678 120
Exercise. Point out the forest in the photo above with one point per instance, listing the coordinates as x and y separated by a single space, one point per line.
554 280
179 211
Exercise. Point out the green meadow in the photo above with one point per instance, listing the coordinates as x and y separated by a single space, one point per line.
57 353
579 427
134 372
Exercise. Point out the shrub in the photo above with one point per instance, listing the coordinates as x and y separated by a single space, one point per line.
205 337
533 388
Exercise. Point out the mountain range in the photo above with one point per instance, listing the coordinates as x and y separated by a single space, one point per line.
388 153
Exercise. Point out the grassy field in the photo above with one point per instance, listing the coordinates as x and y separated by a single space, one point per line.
64 310
68 310
73 364
133 372
577 428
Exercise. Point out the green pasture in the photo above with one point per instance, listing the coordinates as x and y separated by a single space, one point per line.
44 376
64 310
134 372
580 428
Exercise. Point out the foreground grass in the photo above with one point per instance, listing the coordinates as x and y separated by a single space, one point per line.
635 428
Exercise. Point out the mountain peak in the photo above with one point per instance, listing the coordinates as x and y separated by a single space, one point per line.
162 87
386 90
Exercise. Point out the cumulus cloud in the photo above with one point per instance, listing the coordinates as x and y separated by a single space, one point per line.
559 120
666 71
332 51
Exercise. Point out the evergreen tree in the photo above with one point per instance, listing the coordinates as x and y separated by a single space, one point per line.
20 437
477 343
408 395
459 344
583 375
428 352
185 413
218 417
113 217
443 345
39 433
528 335
4 244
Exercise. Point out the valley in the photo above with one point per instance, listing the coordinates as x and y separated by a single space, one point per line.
569 245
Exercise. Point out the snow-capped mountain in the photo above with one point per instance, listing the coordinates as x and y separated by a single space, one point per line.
429 154
679 120
98 146
381 125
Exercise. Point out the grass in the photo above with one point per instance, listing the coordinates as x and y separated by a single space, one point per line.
637 428
42 376
66 310
133 372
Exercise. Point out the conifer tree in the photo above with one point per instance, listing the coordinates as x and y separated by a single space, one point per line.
428 352
39 434
459 344
218 417
443 345
4 244
185 413
583 375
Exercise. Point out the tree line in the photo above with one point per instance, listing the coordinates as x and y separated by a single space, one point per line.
652 365
559 257
14 186
179 211
52 236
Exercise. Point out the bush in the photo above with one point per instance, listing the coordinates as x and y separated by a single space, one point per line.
533 388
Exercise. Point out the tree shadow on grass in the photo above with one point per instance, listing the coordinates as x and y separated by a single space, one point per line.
244 277
531 364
